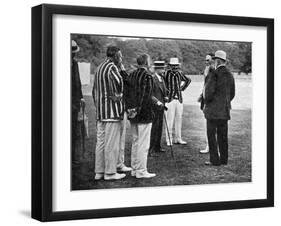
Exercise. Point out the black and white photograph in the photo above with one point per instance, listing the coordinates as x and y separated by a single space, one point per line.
149 112
141 112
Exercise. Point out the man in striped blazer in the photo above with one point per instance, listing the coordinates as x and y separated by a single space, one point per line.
108 100
176 83
139 103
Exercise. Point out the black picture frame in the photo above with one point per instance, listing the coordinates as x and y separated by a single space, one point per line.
42 108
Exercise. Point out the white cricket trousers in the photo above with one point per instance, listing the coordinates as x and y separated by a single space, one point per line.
140 146
107 146
174 116
121 156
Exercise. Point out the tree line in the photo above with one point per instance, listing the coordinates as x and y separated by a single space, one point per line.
190 52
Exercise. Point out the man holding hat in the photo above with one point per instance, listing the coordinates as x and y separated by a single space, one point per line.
218 93
160 93
176 83
77 100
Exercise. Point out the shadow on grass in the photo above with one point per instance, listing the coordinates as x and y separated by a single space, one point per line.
187 167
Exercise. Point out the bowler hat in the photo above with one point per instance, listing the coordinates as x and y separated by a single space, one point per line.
220 54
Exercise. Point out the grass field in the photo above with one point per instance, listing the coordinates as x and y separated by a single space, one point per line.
187 167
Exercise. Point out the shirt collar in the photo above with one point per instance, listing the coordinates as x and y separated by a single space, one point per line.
221 65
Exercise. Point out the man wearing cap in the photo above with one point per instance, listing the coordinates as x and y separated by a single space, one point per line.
160 93
139 109
218 93
108 99
176 83
76 100
209 69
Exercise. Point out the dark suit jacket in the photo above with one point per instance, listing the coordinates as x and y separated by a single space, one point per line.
219 92
76 89
159 91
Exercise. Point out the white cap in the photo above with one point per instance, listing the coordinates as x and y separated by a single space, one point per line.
220 54
174 61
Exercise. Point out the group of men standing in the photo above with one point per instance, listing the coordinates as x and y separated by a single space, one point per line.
145 97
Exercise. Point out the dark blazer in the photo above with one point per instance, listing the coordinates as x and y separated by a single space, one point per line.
139 95
219 92
159 91
76 89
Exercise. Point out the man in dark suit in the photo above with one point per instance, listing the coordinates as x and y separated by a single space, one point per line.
76 101
218 93
159 92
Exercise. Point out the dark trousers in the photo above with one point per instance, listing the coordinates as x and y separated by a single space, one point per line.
218 140
74 136
156 130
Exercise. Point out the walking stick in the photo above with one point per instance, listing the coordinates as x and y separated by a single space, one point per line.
172 152
83 130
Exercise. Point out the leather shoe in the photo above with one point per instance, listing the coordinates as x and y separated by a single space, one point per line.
181 142
99 176
211 164
124 169
145 175
116 176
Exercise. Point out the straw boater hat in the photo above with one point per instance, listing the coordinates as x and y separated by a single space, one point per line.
159 64
74 47
174 61
220 55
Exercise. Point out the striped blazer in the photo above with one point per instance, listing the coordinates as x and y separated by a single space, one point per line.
108 83
173 80
139 95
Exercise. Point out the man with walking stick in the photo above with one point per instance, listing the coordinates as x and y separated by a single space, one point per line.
77 101
159 92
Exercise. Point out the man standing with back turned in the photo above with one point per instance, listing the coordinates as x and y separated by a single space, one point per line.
218 93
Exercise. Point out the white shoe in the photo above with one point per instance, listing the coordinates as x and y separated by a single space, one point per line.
116 176
169 143
133 173
145 175
124 169
205 151
99 176
181 142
